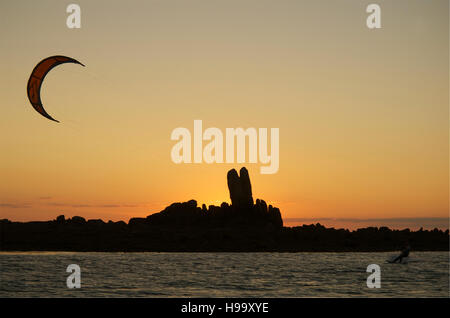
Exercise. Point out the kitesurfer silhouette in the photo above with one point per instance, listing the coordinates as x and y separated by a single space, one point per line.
405 252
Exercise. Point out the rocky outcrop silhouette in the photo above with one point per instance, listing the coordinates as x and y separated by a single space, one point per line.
240 189
243 226
241 212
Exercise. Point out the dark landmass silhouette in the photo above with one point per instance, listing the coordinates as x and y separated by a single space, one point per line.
243 226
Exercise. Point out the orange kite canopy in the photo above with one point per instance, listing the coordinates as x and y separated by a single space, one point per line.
37 77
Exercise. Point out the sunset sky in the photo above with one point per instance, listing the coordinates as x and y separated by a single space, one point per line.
363 114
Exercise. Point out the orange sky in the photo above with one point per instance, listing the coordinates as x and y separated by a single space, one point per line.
363 114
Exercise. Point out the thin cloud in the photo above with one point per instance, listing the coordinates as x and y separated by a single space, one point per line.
82 206
16 205
45 198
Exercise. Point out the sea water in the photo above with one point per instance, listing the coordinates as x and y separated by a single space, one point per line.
43 274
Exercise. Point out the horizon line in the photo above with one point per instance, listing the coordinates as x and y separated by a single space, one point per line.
408 223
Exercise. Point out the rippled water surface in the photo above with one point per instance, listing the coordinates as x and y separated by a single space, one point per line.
43 274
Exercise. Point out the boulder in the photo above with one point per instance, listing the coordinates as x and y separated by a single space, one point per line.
240 189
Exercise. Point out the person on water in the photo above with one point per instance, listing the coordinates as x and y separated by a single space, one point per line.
404 253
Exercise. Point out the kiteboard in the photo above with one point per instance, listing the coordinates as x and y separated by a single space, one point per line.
391 259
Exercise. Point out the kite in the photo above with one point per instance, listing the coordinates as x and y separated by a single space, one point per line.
37 77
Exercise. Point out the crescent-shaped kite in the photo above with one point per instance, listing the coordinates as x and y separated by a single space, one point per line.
37 77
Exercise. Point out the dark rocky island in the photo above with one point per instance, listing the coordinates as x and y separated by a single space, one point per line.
244 226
